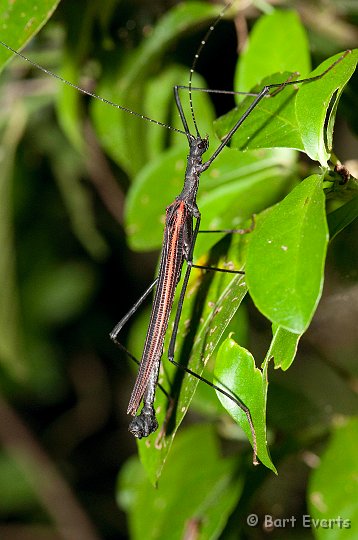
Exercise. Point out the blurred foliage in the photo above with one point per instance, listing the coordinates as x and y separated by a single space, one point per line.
67 274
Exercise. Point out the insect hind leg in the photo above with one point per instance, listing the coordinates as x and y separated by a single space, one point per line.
225 231
246 230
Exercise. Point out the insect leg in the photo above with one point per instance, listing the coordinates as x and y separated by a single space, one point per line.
114 334
122 322
266 91
214 91
181 113
232 231
234 399
226 231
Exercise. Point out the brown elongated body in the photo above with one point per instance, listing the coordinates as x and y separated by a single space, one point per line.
177 245
172 257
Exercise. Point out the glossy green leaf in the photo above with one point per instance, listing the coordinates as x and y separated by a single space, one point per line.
286 255
271 124
155 187
231 191
293 118
342 217
197 492
235 371
205 401
239 186
211 301
336 500
318 100
283 347
270 49
21 20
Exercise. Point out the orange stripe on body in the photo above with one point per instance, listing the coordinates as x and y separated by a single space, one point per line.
162 306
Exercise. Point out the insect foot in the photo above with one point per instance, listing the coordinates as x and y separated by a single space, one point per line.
144 424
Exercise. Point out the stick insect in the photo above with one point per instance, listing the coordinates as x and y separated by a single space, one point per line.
178 245
180 236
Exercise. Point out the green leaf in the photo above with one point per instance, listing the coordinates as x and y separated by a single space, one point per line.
293 118
271 124
231 191
270 49
317 99
336 499
237 187
235 371
286 254
211 301
155 187
342 217
205 401
20 21
198 491
283 347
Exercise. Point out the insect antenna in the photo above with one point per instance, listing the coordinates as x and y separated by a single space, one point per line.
88 93
196 58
